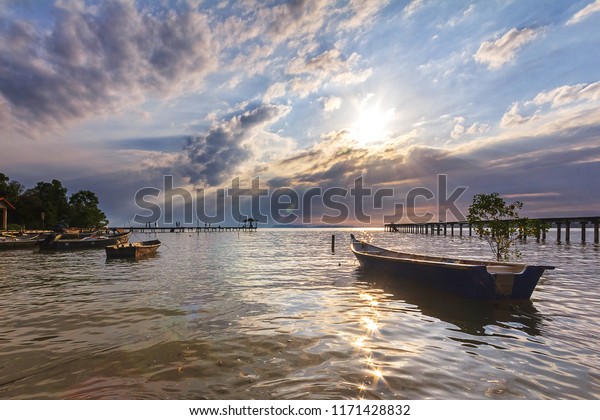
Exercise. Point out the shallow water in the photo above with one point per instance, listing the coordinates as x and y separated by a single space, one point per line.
273 314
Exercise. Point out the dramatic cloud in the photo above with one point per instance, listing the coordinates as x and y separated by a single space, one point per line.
585 12
96 59
217 155
504 49
305 93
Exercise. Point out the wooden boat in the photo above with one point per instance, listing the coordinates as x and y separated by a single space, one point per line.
474 278
133 250
58 242
18 242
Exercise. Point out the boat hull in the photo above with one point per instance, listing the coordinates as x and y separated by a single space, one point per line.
475 279
50 244
17 244
132 251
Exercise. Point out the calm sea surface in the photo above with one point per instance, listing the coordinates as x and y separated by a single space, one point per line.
275 315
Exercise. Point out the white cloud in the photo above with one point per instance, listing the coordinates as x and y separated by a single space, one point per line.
276 90
503 50
412 7
460 128
304 86
585 12
567 94
478 128
331 103
363 13
329 66
513 117
573 104
458 19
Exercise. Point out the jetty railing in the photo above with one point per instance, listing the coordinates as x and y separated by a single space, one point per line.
181 229
556 222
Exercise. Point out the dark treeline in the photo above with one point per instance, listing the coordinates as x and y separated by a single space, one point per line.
47 206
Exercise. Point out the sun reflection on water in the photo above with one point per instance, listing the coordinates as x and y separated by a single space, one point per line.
370 326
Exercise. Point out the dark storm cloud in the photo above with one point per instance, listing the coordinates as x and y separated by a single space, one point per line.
216 155
96 59
339 163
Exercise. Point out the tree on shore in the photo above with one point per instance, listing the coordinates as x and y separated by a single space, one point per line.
500 224
10 189
84 210
46 205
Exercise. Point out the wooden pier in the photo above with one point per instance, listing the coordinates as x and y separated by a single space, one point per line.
182 229
464 228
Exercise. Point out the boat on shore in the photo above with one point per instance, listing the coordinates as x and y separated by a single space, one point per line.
479 279
65 242
132 250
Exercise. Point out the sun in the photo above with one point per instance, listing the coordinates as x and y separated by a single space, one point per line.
371 125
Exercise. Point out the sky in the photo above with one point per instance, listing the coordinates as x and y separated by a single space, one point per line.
114 96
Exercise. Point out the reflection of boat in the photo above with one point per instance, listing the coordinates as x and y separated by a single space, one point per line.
18 242
473 317
473 278
58 242
133 250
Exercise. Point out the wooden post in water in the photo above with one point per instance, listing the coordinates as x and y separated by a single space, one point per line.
583 223
567 232
596 232
333 244
558 232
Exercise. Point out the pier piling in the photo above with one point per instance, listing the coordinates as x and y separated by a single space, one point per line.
556 222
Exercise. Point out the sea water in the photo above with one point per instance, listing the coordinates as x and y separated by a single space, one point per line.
274 314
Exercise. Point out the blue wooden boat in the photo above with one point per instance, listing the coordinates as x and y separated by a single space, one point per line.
474 278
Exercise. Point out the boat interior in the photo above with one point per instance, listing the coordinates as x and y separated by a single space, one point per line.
491 266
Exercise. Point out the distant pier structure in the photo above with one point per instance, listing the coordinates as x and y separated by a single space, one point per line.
182 229
464 228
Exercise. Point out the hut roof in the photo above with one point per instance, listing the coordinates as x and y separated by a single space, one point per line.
8 203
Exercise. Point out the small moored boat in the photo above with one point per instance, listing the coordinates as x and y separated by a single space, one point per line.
474 278
133 250
18 242
64 242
